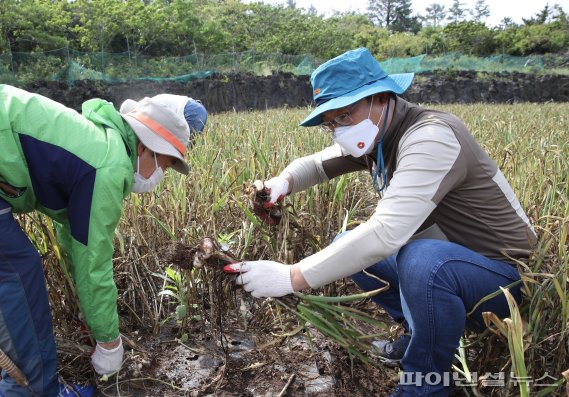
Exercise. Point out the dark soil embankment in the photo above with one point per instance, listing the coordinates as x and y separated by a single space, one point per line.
241 92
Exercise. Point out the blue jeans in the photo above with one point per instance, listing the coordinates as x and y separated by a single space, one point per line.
26 334
433 285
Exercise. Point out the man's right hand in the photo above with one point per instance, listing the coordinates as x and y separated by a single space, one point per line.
266 195
107 357
277 187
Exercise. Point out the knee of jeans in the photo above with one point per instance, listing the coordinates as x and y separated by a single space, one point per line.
410 255
416 260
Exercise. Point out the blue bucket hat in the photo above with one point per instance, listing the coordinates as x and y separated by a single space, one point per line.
348 78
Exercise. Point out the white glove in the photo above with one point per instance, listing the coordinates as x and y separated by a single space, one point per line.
107 361
278 188
263 278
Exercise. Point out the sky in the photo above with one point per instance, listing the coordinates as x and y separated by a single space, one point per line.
499 9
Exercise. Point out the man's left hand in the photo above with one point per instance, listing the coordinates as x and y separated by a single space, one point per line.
262 278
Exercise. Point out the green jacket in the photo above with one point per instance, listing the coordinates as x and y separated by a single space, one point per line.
77 170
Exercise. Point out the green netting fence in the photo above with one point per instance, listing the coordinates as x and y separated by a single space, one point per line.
69 65
459 61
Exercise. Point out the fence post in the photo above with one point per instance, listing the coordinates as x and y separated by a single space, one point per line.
102 59
196 55
68 56
10 56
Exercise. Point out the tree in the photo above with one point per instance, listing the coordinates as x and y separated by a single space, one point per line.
146 25
382 12
505 36
182 27
400 45
188 30
559 15
312 10
33 25
540 18
335 35
540 39
394 15
480 10
371 37
543 16
473 38
436 13
291 3
434 40
456 12
404 21
99 21
506 22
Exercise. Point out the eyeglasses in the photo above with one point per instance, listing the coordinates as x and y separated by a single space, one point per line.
343 120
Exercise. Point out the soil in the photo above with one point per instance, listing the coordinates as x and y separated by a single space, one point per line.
246 347
239 92
244 362
234 359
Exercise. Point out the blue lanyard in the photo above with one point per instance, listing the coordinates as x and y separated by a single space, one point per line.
379 163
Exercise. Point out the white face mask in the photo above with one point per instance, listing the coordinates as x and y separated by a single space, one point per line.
358 139
142 184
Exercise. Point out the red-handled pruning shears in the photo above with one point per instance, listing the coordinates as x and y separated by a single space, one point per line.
234 267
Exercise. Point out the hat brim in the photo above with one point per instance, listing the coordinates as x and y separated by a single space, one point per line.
127 106
149 139
397 83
